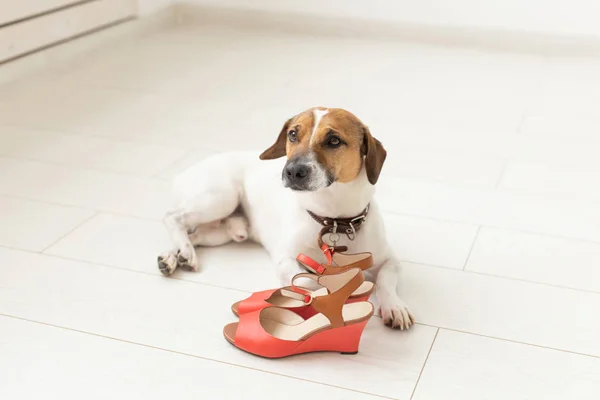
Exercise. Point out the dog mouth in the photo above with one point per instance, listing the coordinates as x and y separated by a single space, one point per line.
312 183
300 188
305 174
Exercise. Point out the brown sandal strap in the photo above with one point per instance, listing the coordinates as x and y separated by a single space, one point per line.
363 261
340 287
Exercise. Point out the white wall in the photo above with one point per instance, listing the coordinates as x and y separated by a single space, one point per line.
556 17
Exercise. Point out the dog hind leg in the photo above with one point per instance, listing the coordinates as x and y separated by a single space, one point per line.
215 204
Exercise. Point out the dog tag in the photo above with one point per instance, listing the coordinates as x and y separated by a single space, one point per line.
334 238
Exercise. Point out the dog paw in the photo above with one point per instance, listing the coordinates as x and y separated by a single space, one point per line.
396 315
167 262
187 260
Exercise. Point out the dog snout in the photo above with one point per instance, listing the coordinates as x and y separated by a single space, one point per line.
297 172
296 175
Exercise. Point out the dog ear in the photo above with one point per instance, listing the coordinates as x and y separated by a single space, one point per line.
278 148
374 154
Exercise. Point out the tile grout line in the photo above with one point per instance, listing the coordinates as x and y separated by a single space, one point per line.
445 220
508 278
110 138
501 176
154 178
594 292
448 221
51 203
244 291
187 354
512 341
98 210
82 135
524 115
491 226
471 249
418 323
83 167
77 226
424 363
96 264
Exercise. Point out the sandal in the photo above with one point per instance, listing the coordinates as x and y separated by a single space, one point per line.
273 297
276 332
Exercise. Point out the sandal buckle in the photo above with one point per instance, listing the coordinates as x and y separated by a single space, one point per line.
308 298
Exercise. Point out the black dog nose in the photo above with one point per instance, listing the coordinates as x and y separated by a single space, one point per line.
297 172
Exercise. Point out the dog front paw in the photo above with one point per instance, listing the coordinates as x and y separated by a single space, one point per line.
396 314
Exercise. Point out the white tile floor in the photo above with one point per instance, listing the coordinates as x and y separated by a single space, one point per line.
491 193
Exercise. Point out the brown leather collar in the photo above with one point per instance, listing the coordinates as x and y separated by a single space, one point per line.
334 226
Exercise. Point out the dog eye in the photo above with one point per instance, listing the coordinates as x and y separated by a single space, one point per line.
334 141
293 135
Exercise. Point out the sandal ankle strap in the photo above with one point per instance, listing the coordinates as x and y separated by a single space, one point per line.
344 262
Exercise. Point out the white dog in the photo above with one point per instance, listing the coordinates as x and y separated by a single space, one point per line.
332 165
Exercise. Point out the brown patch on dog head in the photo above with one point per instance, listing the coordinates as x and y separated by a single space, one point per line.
301 126
344 161
333 142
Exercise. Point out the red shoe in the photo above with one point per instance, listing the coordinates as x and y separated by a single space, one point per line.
341 262
276 332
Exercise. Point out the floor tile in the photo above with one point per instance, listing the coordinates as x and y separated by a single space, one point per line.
134 244
552 178
95 190
506 143
566 102
537 258
561 123
503 308
551 151
475 367
31 225
427 241
122 114
65 364
191 158
88 152
442 166
574 217
188 317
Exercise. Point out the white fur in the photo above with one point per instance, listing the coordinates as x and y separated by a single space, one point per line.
214 188
318 176
318 115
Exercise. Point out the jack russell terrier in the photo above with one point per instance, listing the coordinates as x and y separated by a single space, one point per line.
332 165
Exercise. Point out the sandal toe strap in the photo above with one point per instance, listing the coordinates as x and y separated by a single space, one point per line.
255 301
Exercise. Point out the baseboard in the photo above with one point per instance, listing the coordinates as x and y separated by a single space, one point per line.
48 58
484 39
129 30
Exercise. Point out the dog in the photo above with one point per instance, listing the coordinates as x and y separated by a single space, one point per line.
331 165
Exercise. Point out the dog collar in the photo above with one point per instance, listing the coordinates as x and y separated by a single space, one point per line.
334 226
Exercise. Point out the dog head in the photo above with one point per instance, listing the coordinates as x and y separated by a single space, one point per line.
323 146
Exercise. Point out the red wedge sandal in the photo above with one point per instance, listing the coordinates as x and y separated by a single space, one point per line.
337 262
276 332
